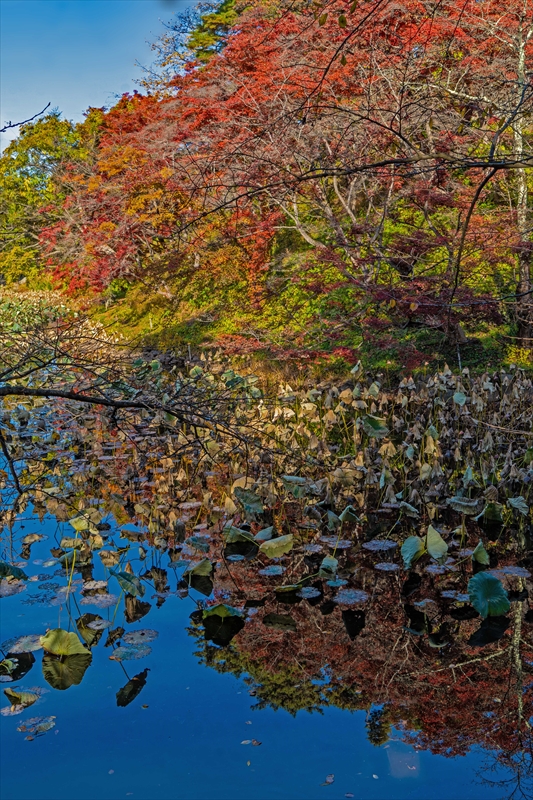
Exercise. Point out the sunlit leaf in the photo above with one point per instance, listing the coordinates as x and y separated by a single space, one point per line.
274 548
435 544
61 643
480 554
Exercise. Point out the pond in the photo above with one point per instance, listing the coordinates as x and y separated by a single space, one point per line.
196 731
201 622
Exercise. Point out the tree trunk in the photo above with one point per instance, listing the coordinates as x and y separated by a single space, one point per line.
524 304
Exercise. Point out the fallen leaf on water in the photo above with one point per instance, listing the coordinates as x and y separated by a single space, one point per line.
246 741
256 743
329 779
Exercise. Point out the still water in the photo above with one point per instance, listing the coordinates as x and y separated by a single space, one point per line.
194 731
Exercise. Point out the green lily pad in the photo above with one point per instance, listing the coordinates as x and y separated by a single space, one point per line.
374 427
7 570
435 545
130 584
250 501
328 567
488 595
274 548
61 643
412 549
264 535
480 554
203 567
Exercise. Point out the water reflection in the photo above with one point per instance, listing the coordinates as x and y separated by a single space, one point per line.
328 623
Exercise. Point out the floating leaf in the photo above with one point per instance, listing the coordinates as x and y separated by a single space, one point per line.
203 567
37 726
130 584
308 592
350 597
100 600
377 545
488 595
9 588
387 566
412 549
274 569
516 571
131 653
274 548
61 643
435 544
26 644
140 636
99 624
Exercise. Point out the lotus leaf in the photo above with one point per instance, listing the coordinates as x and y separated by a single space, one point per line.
435 544
130 584
412 549
488 595
62 673
274 548
61 643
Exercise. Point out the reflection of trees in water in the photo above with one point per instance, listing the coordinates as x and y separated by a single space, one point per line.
445 701
443 698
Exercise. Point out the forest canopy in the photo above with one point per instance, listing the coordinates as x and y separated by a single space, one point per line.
345 175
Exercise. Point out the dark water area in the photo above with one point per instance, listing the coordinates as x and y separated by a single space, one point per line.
192 732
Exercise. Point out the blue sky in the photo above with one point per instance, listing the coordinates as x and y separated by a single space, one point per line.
73 53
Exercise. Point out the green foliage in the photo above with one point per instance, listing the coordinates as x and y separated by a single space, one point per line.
29 195
209 36
488 595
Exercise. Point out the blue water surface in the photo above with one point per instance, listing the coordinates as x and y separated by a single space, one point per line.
182 736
